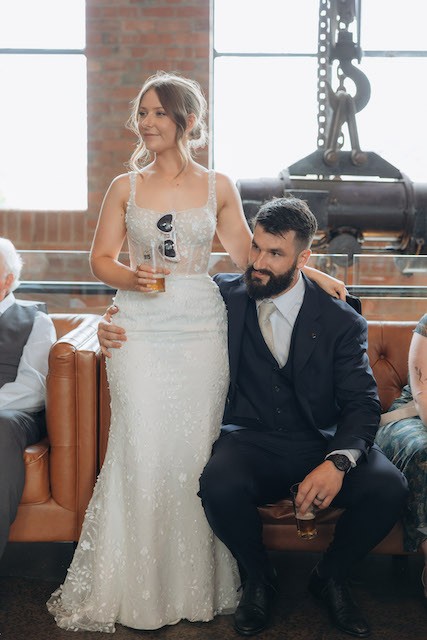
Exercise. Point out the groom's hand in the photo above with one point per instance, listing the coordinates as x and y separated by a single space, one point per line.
110 336
320 486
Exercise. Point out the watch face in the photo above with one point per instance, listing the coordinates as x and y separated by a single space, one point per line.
340 461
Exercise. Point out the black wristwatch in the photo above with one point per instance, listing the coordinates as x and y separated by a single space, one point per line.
340 461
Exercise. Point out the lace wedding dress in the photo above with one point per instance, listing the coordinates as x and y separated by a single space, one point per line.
146 556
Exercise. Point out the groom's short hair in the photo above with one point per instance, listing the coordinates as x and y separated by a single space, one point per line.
281 215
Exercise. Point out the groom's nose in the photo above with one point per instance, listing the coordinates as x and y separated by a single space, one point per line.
260 261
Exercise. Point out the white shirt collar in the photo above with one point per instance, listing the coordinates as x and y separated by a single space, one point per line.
7 302
289 303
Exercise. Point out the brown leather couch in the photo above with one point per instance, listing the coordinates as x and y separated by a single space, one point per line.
388 355
61 469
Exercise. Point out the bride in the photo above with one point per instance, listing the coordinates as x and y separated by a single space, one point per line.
146 556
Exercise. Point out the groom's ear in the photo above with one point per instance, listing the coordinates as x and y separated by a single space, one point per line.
303 258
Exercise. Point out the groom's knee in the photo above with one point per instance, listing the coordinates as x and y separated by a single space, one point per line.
381 484
221 486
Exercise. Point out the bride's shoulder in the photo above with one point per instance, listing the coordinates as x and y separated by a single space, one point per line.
226 191
120 187
223 181
122 179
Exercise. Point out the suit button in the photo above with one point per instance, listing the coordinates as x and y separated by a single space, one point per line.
276 388
278 410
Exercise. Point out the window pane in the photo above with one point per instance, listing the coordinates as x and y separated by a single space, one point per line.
42 24
43 163
270 26
393 122
261 138
389 25
264 114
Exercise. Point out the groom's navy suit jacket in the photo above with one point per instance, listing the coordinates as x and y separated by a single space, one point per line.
332 379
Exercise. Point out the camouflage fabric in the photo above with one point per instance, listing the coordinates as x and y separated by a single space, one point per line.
404 442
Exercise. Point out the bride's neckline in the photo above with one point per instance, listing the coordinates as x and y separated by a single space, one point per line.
175 211
172 209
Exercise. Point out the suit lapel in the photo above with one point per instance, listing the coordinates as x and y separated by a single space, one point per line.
307 329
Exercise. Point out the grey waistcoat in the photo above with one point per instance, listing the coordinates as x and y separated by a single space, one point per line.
16 324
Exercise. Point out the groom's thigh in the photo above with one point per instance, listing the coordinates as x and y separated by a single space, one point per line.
257 466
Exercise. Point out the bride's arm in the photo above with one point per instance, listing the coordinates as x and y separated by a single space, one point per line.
334 287
109 237
232 228
108 241
236 237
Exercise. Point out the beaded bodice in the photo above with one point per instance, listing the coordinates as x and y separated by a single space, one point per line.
189 232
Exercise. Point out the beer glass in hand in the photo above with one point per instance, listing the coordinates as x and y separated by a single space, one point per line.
306 522
153 255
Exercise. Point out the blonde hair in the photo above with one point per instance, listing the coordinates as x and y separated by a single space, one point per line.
179 97
12 262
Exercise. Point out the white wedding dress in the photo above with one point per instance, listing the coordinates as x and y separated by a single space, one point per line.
147 556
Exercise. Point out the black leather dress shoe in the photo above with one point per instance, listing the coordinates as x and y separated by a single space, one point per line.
344 612
253 612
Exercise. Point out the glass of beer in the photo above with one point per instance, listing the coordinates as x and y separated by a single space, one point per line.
306 522
153 255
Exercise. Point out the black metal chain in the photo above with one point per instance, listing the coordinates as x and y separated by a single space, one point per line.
323 71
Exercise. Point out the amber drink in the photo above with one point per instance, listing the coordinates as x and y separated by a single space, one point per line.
154 256
306 522
159 285
306 525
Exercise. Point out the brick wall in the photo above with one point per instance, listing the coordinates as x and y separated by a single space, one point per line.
127 40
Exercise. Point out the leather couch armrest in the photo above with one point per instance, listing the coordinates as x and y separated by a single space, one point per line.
72 414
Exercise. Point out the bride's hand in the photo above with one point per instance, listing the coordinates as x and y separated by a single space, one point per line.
144 277
110 335
331 285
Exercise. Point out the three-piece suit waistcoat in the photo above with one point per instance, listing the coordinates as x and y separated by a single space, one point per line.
264 398
16 324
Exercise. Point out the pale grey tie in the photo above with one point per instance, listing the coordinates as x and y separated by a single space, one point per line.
265 310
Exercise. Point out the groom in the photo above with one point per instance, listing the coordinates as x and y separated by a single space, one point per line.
302 407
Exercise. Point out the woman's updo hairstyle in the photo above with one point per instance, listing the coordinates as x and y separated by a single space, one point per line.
179 97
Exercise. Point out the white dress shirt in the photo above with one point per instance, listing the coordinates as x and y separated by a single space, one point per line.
282 320
28 391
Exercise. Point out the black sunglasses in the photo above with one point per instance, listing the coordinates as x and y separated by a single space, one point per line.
165 225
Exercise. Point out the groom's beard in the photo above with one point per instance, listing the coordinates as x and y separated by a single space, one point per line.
274 286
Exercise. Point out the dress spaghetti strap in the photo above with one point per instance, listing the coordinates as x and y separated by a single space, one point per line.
212 191
132 180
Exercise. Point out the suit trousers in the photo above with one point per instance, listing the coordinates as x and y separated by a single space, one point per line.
249 468
18 430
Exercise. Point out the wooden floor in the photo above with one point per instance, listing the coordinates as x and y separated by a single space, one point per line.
390 595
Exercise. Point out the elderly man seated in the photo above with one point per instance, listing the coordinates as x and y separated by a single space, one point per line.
26 335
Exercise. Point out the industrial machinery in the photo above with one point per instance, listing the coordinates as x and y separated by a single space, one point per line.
361 201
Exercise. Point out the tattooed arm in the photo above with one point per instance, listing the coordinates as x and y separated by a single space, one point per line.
418 371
